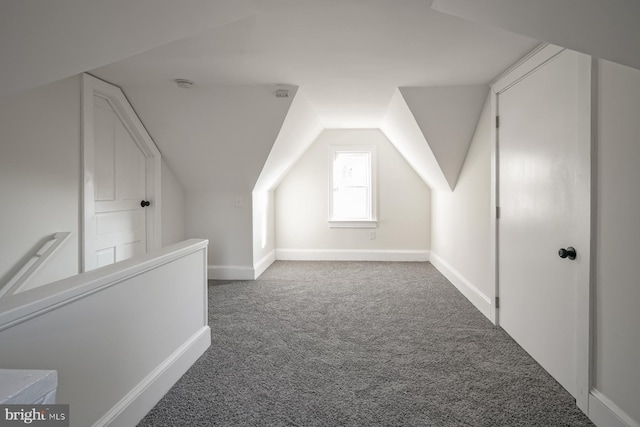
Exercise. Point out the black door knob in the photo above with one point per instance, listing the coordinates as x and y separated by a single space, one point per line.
570 253
145 203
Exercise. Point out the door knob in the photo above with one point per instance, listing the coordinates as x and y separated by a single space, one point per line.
145 203
570 252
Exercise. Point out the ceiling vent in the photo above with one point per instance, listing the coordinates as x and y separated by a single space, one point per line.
282 93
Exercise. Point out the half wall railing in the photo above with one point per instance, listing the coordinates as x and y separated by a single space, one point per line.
119 336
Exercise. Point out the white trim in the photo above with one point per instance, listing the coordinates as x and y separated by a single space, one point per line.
144 396
468 289
230 272
352 255
527 65
93 86
518 63
353 224
586 226
494 206
604 413
263 264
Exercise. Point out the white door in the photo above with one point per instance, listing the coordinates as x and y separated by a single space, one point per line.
119 170
539 155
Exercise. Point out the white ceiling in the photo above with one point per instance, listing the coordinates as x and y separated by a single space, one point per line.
213 138
348 55
45 41
603 28
447 117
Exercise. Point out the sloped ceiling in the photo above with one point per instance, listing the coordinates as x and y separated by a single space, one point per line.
401 128
213 138
447 117
347 56
603 28
300 129
45 41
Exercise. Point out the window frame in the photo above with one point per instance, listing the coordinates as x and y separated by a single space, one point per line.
372 220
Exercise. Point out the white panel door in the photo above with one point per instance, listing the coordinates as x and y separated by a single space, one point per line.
119 223
539 150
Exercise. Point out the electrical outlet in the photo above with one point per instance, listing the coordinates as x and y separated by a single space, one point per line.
372 235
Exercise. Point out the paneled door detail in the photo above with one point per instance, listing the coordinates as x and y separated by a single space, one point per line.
119 188
121 164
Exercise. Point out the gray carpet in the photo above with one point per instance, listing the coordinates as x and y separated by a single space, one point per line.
358 344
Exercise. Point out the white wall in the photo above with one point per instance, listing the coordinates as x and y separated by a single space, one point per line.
301 204
264 238
217 154
617 293
214 215
299 130
460 234
173 208
40 176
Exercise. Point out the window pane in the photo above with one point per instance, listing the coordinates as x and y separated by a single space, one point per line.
351 193
351 203
351 169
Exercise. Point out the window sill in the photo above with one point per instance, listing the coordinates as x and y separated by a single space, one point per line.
353 224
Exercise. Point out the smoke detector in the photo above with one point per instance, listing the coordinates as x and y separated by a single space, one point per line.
184 83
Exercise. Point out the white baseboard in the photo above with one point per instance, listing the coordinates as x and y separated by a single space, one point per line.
351 255
264 263
468 289
143 397
604 413
230 272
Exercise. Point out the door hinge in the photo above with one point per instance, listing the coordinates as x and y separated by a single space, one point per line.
497 211
497 121
497 302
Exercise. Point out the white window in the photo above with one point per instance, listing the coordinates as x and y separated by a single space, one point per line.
352 189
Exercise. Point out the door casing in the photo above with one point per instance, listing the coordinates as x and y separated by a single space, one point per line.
93 86
585 201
